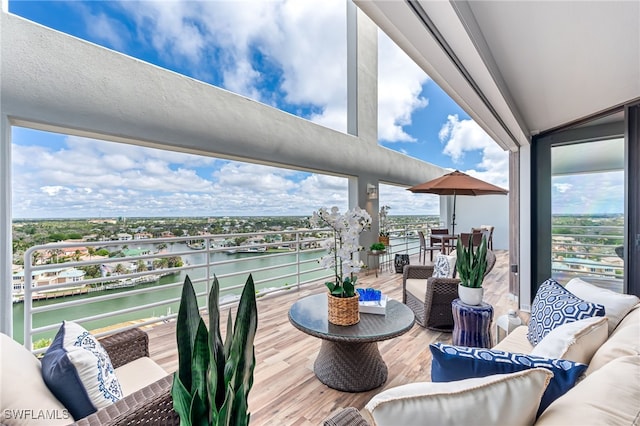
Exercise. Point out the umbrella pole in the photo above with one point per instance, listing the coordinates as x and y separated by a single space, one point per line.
453 218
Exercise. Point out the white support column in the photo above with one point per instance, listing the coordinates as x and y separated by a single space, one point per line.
6 250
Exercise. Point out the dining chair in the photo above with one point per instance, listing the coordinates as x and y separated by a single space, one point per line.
424 248
476 238
489 230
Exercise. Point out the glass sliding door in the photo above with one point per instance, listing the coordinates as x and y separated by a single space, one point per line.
587 212
585 200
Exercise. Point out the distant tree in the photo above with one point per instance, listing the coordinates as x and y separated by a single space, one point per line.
102 252
174 262
141 265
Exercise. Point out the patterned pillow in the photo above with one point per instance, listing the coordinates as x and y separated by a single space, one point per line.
553 306
444 266
457 363
78 371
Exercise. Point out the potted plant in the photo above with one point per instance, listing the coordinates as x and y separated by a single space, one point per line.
212 384
377 248
471 265
342 298
383 236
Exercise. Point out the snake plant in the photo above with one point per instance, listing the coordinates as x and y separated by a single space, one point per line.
213 380
471 264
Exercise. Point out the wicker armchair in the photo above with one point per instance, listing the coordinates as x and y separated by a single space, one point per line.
434 310
151 405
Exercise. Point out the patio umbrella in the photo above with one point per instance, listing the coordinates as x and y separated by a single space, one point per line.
457 183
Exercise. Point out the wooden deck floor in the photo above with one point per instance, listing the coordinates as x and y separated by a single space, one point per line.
285 389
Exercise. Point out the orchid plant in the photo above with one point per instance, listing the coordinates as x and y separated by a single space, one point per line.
384 211
342 247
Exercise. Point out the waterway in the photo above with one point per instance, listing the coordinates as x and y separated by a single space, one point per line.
249 263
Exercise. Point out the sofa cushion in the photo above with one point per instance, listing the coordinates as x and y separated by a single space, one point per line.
609 396
444 266
516 341
623 341
465 402
24 397
458 362
575 341
554 306
78 371
138 374
616 305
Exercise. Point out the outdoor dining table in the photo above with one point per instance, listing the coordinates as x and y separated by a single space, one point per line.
446 240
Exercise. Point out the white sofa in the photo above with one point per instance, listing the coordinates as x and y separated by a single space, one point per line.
25 399
607 394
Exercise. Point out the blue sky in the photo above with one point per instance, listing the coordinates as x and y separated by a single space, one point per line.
288 54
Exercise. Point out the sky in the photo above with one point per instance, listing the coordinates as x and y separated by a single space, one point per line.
268 51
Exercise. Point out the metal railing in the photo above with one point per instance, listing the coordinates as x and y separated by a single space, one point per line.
589 251
131 290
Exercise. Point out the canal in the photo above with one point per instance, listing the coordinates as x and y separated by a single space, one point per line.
265 267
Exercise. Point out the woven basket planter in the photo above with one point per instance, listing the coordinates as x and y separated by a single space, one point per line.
343 310
384 240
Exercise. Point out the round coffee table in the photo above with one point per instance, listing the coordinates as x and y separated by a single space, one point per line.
349 359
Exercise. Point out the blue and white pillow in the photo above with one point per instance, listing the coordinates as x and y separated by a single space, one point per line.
444 266
78 371
457 363
553 306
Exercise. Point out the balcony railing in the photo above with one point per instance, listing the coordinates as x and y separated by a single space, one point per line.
143 285
589 251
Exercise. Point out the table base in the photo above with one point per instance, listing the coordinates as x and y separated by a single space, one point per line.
350 367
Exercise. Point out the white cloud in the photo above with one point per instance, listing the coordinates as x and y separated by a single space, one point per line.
461 136
400 82
562 187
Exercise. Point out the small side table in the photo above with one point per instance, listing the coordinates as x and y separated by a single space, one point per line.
471 324
379 256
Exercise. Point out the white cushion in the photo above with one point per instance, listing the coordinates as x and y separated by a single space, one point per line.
78 371
509 399
624 341
417 287
609 396
444 266
516 342
616 305
575 341
24 397
138 374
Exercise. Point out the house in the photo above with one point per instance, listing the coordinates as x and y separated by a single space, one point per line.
536 76
49 276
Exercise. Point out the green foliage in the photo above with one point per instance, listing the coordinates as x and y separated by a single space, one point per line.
212 384
345 289
377 247
471 264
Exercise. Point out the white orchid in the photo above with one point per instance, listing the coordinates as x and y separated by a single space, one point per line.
344 244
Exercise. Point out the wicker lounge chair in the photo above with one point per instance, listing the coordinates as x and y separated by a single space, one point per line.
434 312
151 405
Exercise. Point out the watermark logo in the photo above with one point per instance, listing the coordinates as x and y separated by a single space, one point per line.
35 415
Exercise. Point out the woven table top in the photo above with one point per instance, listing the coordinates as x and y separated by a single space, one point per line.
309 315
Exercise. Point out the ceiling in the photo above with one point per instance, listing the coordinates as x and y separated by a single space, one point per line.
521 67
